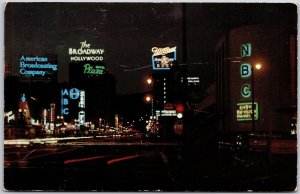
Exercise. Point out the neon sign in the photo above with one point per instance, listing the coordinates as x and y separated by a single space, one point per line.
93 69
82 99
166 113
74 93
244 111
81 117
37 66
245 70
162 58
193 80
86 53
246 50
66 94
246 93
23 98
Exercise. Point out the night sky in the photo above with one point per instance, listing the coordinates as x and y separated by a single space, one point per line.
128 31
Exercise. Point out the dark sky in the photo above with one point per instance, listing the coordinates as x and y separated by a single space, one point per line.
128 31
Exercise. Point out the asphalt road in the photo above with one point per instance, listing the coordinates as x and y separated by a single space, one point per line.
106 165
101 166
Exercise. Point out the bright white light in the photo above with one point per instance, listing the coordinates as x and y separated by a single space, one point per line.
148 98
179 115
149 81
258 66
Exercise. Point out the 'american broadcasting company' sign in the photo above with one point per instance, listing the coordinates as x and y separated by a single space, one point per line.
162 58
37 67
85 53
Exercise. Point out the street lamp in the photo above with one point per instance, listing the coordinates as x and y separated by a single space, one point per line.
148 98
149 80
257 66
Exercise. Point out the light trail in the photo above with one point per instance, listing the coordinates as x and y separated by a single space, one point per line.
84 159
122 159
41 141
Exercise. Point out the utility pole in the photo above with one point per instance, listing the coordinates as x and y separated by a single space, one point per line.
184 39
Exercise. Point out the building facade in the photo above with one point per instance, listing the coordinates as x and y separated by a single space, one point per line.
270 91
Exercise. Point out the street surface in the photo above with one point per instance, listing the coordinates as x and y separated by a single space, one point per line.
133 164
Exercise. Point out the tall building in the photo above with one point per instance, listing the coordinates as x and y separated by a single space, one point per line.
269 91
7 70
169 97
99 95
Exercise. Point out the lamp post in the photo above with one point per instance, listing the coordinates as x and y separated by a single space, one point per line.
258 67
149 81
149 98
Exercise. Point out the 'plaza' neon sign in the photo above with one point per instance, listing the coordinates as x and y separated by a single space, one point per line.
94 70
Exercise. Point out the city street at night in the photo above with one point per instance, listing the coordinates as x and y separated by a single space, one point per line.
148 96
119 165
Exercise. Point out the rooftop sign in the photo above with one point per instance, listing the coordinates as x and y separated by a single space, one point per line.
246 50
92 69
37 67
162 58
86 53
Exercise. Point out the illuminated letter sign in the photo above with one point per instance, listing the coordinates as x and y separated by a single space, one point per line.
93 69
244 111
246 50
162 58
86 53
65 111
245 70
81 117
23 98
246 93
166 113
66 94
65 101
37 67
74 93
82 99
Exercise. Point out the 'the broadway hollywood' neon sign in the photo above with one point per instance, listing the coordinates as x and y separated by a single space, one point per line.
86 53
162 58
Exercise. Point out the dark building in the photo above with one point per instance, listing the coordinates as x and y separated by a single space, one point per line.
12 93
36 79
239 84
169 97
39 95
169 86
100 89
